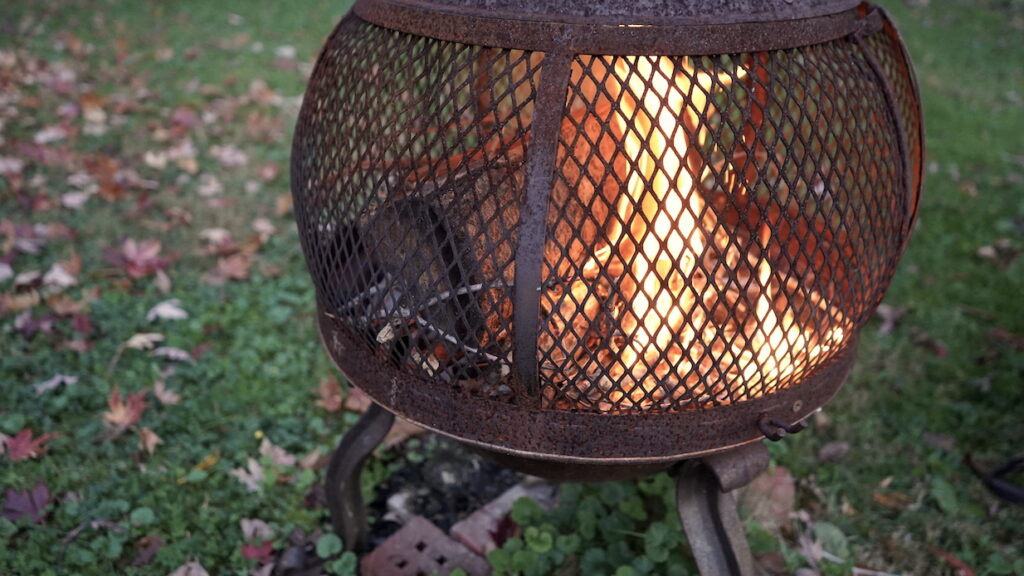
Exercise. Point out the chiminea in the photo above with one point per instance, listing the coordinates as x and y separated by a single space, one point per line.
596 238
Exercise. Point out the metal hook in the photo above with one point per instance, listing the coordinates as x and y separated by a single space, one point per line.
775 429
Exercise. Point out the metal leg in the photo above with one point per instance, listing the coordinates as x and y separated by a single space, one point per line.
708 512
342 485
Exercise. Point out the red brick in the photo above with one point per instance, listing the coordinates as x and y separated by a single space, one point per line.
421 548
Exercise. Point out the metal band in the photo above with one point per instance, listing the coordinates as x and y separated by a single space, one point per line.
525 431
540 168
584 36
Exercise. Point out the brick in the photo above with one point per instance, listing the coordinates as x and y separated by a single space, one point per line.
419 548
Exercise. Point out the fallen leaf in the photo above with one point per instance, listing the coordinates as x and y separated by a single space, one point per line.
148 548
833 451
277 455
264 228
162 282
208 461
74 200
27 279
167 310
11 166
401 431
173 354
770 498
941 441
313 461
329 395
236 267
148 440
144 341
928 342
262 552
54 382
255 529
252 475
1004 336
50 134
893 500
138 258
229 156
209 186
357 400
122 413
962 568
190 568
22 446
59 277
890 317
166 396
283 205
28 505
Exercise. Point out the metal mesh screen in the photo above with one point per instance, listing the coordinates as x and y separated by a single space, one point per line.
720 225
409 179
718 228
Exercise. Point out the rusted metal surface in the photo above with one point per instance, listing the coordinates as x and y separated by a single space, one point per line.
572 437
342 484
484 199
684 32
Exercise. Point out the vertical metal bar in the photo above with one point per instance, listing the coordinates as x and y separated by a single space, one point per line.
540 168
872 23
342 485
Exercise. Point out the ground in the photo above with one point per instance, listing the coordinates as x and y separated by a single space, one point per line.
165 399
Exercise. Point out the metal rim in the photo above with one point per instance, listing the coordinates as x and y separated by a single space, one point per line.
603 36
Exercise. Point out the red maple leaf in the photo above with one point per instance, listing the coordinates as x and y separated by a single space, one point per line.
138 258
263 552
22 446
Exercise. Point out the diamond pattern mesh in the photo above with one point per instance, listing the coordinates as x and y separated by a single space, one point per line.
408 188
718 228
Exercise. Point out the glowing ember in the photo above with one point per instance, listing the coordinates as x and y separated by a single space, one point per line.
691 329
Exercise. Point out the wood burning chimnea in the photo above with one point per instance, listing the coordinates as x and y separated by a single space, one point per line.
598 239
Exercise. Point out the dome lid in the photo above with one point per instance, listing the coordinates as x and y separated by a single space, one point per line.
636 12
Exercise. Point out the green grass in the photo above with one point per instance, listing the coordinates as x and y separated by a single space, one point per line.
258 374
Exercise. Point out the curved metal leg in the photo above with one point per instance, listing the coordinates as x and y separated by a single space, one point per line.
342 485
708 512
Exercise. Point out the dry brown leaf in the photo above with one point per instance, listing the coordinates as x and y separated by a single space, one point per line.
166 396
191 568
255 529
893 500
283 205
123 413
770 498
144 341
251 476
148 440
277 455
329 395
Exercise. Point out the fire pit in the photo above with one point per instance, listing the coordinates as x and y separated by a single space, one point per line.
597 239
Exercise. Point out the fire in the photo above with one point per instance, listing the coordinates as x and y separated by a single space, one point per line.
665 243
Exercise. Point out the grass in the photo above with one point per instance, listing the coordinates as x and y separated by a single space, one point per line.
898 503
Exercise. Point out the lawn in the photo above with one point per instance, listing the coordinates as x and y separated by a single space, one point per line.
165 398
